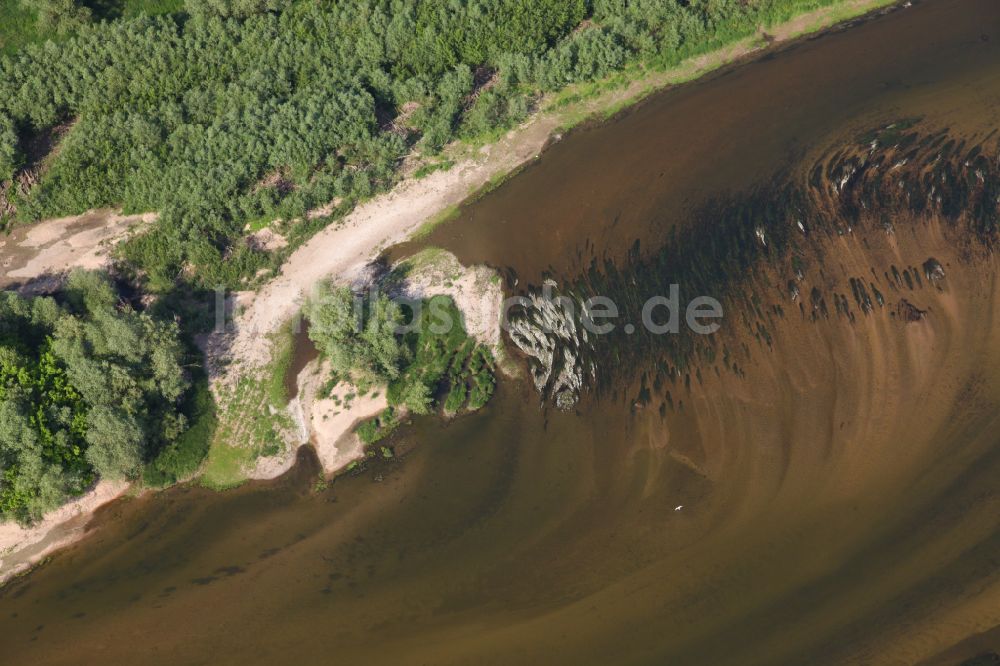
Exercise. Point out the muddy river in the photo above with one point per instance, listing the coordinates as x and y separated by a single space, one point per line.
823 487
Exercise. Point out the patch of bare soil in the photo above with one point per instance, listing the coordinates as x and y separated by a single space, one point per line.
324 419
35 257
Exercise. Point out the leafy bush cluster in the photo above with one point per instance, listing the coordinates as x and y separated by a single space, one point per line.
369 338
60 17
87 387
356 332
442 361
239 111
378 428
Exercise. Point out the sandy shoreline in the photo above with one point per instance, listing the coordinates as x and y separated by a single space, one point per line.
343 250
23 547
323 423
340 252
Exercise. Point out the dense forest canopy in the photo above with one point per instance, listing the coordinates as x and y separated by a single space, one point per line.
88 387
237 112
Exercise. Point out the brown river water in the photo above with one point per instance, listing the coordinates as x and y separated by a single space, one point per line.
833 500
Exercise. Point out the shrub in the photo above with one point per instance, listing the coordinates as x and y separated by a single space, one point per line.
357 334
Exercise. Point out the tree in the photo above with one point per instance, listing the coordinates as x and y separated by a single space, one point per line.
232 8
115 440
10 157
357 333
87 387
59 16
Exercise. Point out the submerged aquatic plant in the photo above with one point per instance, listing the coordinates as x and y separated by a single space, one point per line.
896 175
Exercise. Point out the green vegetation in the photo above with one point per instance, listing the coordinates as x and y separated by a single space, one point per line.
478 375
252 420
183 458
24 22
427 169
422 357
233 112
356 332
249 427
20 25
88 387
282 356
442 361
59 17
379 427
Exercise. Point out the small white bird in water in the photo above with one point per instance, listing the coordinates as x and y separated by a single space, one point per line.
678 507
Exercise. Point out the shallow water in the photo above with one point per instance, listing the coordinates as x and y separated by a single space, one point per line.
839 501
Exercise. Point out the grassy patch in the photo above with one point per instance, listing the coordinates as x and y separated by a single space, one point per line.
252 420
134 8
427 169
282 358
19 24
112 10
17 27
226 466
446 215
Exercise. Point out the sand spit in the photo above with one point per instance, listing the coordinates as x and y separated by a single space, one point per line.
342 251
326 417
